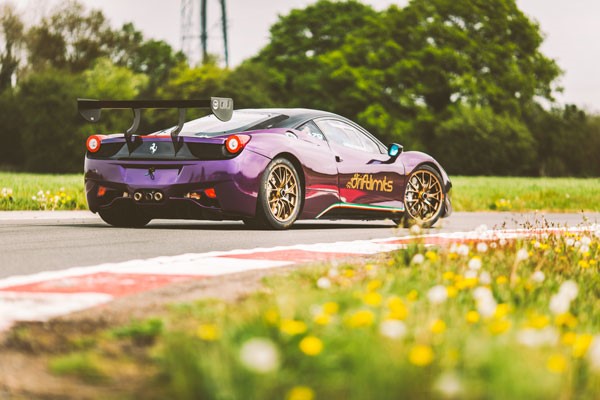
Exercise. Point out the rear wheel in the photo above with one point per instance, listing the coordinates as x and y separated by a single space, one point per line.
128 217
423 197
279 197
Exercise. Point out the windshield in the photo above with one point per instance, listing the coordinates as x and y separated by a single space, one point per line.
241 121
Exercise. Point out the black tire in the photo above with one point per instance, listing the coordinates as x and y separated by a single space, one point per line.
423 198
128 217
279 196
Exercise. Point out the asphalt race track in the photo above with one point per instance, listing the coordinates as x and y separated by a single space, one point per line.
32 242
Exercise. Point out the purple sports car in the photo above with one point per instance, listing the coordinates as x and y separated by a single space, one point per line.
267 167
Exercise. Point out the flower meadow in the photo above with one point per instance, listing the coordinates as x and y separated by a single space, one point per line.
41 192
494 319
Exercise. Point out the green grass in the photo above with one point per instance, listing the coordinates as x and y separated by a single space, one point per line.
525 194
23 191
65 192
467 322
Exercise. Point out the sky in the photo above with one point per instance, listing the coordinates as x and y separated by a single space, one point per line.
571 29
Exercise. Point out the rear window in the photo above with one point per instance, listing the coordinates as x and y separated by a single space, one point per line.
241 121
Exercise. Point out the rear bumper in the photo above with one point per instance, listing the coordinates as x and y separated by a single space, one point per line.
114 183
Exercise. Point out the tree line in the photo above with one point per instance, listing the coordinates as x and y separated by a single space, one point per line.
463 80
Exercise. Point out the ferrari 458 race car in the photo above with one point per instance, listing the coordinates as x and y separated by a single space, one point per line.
267 167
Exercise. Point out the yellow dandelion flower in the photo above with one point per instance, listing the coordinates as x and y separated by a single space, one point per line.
438 326
584 264
581 345
292 327
361 318
499 326
331 308
208 332
538 321
390 263
452 256
421 355
372 299
568 338
502 310
397 308
448 275
271 317
412 295
349 273
472 317
501 280
556 363
567 319
431 256
311 345
452 291
374 285
369 267
592 263
322 319
300 393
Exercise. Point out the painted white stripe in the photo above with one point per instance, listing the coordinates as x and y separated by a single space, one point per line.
41 307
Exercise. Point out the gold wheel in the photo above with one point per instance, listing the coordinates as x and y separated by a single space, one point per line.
424 196
282 193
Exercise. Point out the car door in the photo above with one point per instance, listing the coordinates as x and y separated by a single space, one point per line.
366 174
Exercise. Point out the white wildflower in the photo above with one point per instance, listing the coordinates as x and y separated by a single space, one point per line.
392 329
418 259
487 307
570 241
333 272
437 294
536 244
559 304
538 337
462 250
415 230
482 247
260 355
323 283
470 274
569 289
586 241
448 385
593 353
502 242
522 255
538 276
475 263
485 278
584 249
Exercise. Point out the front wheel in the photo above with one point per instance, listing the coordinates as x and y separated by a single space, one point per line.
124 217
423 197
279 196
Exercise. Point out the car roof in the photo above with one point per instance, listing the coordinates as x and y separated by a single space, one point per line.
296 115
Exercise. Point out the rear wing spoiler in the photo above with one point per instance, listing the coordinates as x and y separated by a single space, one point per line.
221 107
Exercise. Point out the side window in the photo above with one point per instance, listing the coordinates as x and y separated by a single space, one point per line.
346 135
311 129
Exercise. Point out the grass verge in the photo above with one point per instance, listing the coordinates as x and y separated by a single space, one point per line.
20 191
496 320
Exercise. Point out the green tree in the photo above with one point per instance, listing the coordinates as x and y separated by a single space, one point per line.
155 58
11 38
50 127
108 81
71 39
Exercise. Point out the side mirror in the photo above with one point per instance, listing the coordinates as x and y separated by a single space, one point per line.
394 150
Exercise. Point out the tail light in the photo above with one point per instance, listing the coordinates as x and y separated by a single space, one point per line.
93 143
235 143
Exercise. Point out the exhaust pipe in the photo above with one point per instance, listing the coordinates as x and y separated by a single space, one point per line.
158 196
137 196
148 196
